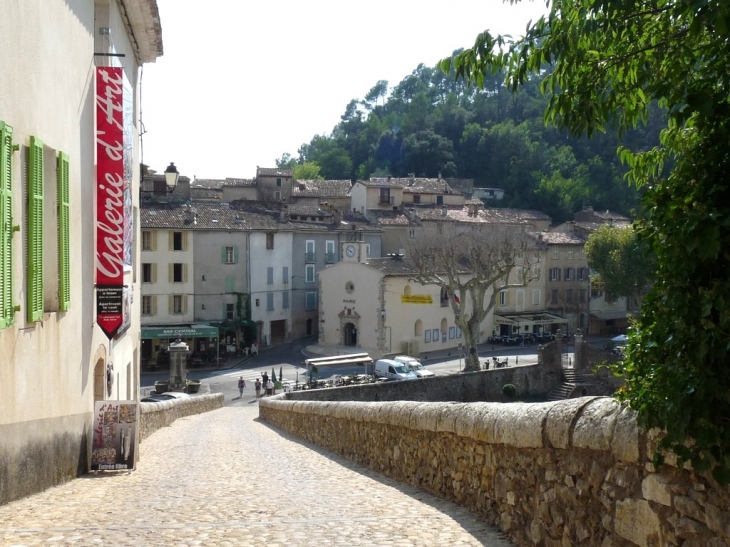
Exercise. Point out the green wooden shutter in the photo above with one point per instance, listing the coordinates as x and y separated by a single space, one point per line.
6 227
223 255
35 230
64 251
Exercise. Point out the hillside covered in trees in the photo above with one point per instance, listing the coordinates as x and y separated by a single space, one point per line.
431 123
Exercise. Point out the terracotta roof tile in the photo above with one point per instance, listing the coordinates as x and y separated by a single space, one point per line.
321 188
561 238
389 218
239 182
273 172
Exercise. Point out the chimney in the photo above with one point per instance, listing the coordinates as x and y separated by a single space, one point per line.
284 214
444 211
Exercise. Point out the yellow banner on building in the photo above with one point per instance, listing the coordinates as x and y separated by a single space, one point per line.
416 299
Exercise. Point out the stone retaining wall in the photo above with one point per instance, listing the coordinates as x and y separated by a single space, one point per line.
575 472
153 416
486 385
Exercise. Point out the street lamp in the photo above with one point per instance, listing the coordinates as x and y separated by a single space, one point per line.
171 177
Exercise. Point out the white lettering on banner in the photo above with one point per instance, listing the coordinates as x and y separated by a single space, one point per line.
113 90
113 151
111 260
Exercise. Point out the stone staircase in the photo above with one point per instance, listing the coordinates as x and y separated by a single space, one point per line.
571 379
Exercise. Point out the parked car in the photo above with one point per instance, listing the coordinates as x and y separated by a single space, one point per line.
156 397
414 365
393 370
177 395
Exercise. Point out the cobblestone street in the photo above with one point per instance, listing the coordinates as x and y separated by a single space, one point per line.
226 479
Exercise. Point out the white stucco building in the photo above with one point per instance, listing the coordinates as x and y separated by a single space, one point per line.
372 305
56 359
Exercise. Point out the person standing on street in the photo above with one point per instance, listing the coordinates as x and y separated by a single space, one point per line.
257 386
241 385
269 387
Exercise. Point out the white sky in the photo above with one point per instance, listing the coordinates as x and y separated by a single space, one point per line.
243 81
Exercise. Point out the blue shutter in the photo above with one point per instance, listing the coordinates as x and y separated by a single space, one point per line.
270 275
285 274
285 300
269 301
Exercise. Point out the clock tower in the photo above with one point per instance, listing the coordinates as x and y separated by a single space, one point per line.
353 251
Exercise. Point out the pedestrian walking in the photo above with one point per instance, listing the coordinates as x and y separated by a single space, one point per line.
241 385
269 388
264 378
257 386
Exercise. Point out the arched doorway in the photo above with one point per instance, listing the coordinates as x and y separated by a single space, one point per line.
100 381
350 335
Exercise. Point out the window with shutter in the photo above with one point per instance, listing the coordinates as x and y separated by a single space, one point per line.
6 227
230 283
35 230
311 301
269 301
285 274
270 275
285 300
64 241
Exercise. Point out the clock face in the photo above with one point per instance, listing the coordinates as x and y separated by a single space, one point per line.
350 250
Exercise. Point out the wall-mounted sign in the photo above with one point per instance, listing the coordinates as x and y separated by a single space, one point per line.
110 197
416 299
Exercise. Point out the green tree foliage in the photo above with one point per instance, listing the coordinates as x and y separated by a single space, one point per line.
308 170
431 122
620 260
610 60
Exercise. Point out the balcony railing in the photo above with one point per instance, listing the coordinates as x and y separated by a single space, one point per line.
309 258
329 258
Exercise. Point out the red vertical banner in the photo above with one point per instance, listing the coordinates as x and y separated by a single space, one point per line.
109 198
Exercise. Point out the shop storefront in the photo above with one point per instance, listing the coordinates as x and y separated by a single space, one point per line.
527 324
203 341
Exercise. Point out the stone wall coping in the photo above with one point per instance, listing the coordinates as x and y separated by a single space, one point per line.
596 423
145 407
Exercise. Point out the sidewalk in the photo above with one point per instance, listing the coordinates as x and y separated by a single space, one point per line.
226 478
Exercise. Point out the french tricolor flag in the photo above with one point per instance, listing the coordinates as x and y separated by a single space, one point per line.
456 297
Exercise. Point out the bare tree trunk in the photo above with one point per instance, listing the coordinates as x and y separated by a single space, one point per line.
471 337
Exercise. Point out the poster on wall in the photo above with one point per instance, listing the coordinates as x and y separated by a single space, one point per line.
114 445
110 221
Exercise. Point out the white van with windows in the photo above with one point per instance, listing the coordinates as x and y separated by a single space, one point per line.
393 370
414 365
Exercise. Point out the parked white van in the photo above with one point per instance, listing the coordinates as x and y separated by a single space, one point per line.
393 370
414 365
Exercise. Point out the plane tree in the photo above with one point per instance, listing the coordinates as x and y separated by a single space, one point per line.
472 265
620 261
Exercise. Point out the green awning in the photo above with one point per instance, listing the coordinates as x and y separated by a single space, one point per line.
179 332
